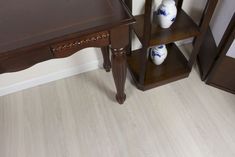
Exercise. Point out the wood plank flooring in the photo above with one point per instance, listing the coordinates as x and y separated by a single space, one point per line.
78 117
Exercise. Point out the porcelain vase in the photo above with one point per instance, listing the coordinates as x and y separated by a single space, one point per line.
166 13
158 54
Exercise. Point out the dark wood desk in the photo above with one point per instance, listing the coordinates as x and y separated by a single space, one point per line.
33 31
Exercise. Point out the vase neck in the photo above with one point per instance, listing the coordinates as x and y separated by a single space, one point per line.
168 2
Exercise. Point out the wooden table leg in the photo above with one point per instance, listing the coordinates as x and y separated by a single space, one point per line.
107 63
119 42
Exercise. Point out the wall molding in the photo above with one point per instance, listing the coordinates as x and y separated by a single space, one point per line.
57 75
78 69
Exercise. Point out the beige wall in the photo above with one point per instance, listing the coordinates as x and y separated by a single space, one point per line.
231 51
224 12
192 7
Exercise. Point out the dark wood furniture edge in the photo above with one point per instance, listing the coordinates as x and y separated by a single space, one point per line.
220 87
106 58
171 38
27 57
92 26
226 42
179 4
119 63
157 84
113 33
183 72
146 38
204 24
207 54
224 45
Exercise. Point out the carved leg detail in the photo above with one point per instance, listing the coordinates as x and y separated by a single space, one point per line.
107 63
119 42
119 69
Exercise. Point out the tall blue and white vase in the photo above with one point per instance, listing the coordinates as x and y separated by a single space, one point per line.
158 54
166 13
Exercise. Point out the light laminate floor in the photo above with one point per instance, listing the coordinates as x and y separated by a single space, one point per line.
78 117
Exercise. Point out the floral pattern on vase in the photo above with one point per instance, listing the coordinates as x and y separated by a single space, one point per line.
166 13
158 54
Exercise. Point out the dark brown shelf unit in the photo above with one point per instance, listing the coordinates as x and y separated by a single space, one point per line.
207 54
216 68
147 75
174 33
175 67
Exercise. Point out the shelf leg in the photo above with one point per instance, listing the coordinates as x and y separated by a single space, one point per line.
146 39
179 4
204 25
129 48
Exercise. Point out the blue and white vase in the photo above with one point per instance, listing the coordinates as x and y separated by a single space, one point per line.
166 13
158 54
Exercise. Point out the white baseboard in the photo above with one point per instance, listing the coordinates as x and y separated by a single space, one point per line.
95 64
50 77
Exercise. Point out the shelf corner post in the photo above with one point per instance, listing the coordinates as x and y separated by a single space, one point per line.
204 25
146 39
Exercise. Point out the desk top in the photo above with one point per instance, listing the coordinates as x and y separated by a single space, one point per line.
28 22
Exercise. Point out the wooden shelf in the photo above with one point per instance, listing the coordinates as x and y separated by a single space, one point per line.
184 27
174 68
207 54
144 72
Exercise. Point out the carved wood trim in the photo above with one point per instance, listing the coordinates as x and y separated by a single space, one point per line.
67 48
119 51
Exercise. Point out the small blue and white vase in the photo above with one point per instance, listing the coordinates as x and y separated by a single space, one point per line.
166 13
158 54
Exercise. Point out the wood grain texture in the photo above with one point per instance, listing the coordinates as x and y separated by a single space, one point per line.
20 60
59 29
71 118
53 20
224 75
118 60
24 33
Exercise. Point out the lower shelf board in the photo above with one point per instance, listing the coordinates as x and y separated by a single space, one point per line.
224 75
174 68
